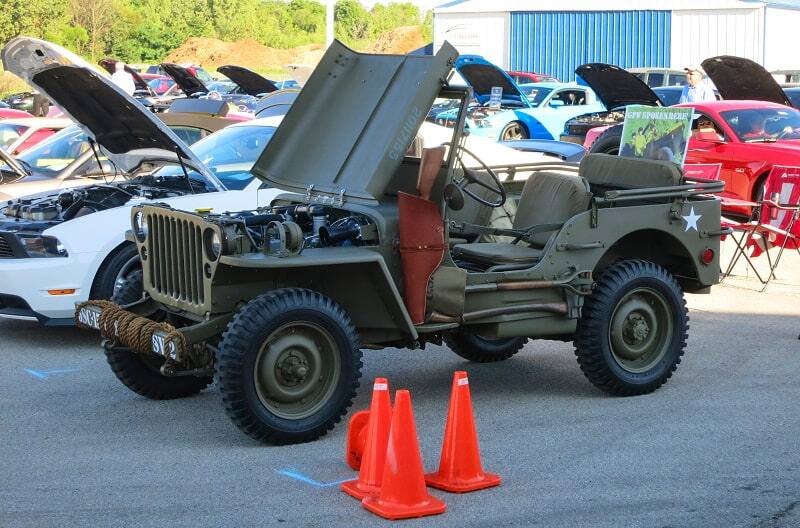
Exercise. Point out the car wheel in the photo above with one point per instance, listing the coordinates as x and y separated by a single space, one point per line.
483 349
288 366
513 131
608 142
633 330
114 272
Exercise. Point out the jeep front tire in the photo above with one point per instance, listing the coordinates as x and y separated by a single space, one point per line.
633 330
288 366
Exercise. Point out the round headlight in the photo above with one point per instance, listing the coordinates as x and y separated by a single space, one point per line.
213 244
140 226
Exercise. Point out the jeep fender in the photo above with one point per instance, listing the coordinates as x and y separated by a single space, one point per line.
358 279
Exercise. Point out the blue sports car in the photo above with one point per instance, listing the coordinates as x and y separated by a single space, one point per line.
527 111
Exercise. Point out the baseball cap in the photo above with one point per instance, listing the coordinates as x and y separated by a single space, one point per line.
694 67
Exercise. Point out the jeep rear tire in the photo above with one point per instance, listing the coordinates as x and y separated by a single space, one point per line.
288 366
141 373
633 331
483 349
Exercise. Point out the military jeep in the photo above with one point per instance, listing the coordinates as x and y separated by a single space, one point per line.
382 242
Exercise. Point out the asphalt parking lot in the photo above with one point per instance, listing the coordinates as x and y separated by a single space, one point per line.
717 446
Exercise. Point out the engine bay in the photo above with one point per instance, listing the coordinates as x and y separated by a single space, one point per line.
288 229
80 201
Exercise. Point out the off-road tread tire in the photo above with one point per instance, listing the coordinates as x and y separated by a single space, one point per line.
468 348
244 335
132 289
135 374
608 141
103 286
591 344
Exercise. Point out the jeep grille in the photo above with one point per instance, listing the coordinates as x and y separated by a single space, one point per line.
175 258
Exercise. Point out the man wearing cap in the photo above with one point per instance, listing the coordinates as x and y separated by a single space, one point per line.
696 89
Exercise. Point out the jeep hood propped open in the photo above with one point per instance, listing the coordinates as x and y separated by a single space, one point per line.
738 78
616 87
127 130
248 81
350 127
187 82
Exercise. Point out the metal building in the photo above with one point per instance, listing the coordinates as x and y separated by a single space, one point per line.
554 37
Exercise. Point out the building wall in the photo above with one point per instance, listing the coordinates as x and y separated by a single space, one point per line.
557 42
481 34
780 48
700 34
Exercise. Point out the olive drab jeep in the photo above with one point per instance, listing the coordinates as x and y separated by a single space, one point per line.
384 241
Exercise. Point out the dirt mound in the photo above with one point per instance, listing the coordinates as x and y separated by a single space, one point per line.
398 40
210 53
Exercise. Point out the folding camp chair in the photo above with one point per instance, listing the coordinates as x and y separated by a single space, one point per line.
777 224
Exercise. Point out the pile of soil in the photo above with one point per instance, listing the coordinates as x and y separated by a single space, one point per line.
398 41
211 52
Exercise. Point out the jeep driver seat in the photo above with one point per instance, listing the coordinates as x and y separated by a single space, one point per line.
547 198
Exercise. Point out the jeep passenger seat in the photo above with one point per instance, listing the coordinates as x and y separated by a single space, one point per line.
547 198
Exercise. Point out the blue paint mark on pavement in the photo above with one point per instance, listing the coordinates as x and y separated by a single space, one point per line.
44 374
308 480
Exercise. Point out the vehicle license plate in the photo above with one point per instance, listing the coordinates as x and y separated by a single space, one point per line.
89 317
159 345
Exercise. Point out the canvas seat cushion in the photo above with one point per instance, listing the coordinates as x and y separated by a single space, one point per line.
618 172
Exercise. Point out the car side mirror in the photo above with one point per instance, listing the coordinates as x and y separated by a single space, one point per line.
709 136
555 103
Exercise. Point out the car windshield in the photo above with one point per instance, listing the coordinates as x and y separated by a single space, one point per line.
222 87
10 133
160 85
536 94
753 125
229 153
56 152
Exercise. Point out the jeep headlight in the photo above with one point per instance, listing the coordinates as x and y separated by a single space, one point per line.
140 226
212 242
40 246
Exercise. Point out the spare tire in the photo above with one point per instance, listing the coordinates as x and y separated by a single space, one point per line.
608 142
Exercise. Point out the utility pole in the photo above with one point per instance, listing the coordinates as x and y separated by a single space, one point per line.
329 22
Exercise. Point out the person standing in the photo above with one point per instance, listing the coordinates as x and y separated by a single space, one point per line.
697 88
123 79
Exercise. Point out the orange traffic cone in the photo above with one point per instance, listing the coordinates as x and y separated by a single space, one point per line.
377 435
403 493
356 438
460 466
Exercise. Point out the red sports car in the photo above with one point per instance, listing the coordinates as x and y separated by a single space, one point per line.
746 138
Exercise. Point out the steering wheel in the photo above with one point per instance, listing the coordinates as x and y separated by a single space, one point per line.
471 178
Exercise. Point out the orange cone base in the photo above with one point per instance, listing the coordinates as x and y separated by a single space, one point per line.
435 480
359 491
394 511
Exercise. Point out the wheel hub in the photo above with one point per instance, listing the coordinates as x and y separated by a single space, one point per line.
292 368
636 329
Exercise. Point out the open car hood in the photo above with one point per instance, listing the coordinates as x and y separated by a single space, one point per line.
350 127
248 81
127 130
482 75
738 78
616 87
187 82
110 66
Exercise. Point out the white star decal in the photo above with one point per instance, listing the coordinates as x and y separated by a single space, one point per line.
691 220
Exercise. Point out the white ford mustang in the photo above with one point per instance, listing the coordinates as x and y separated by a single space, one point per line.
62 247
